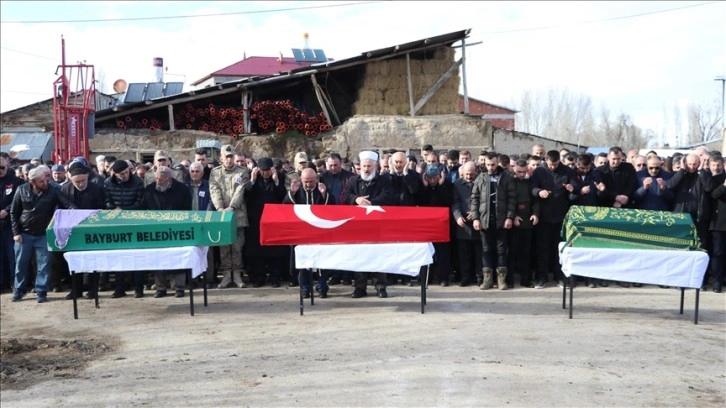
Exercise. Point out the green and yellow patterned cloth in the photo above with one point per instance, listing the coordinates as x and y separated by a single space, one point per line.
127 229
603 227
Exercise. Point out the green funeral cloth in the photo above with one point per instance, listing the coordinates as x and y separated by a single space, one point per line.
127 229
604 227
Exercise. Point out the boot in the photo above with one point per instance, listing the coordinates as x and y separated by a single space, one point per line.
226 280
237 279
488 281
501 278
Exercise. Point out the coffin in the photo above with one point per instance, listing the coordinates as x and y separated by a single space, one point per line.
603 227
86 230
297 224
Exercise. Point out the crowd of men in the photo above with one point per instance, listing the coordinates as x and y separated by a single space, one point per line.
507 211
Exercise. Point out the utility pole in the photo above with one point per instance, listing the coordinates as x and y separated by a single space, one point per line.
723 110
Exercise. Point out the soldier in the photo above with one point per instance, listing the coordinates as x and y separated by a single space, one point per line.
227 185
161 158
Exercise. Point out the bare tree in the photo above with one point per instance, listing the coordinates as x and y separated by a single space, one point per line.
703 122
101 85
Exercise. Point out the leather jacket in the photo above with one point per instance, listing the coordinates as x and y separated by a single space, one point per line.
31 213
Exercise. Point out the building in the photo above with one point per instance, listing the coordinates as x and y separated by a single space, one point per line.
498 116
251 67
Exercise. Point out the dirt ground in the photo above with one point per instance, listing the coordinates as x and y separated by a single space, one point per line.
251 347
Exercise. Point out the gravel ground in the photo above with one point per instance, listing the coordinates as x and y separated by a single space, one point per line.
250 347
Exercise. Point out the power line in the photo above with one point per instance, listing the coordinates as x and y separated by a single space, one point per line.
187 16
27 53
516 30
28 92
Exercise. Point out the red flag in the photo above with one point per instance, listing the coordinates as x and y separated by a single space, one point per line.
297 224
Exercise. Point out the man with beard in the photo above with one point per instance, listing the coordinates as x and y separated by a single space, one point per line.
123 191
718 222
452 165
31 211
336 180
365 189
167 194
525 219
492 208
9 184
308 191
85 196
653 193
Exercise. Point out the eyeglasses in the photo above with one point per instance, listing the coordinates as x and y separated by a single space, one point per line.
161 159
653 168
639 165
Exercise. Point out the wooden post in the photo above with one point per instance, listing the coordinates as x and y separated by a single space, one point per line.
463 76
171 117
435 87
410 83
320 98
247 128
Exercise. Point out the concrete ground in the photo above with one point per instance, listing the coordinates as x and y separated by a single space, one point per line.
250 347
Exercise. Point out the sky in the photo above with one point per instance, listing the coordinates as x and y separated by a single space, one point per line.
640 58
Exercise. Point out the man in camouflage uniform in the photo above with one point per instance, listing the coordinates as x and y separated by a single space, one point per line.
227 186
162 158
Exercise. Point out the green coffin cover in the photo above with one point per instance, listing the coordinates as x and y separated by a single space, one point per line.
127 229
603 227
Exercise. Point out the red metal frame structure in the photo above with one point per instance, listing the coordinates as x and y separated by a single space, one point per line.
74 102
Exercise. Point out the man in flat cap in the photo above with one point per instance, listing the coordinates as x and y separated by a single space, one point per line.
227 184
369 188
58 172
162 158
31 211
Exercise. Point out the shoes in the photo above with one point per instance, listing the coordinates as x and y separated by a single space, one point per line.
637 285
359 293
104 287
179 293
444 284
293 284
138 294
256 285
510 285
604 284
540 285
591 285
463 284
717 289
410 282
118 294
561 284
210 285
623 284
383 294
70 296
18 296
160 294
42 299
347 282
324 294
89 295
306 295
275 284
57 289
664 287
334 281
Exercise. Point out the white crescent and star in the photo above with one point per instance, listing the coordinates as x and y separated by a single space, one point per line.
305 213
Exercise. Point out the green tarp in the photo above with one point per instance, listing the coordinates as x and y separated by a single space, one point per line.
126 229
603 227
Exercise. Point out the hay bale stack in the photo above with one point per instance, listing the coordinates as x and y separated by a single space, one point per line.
384 89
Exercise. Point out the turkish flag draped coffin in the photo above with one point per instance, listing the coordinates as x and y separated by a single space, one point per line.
297 224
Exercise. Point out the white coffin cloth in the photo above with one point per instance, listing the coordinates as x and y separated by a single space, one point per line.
402 258
683 269
121 260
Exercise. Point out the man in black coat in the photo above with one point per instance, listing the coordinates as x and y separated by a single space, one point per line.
9 184
167 194
552 184
264 187
308 191
469 250
31 211
718 221
618 181
369 188
437 191
336 180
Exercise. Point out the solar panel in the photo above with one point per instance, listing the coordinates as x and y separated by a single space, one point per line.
308 53
154 90
173 88
320 55
135 93
298 54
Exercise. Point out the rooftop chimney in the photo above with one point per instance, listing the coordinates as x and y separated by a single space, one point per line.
306 36
158 69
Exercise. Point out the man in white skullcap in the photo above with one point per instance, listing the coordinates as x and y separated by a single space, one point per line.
369 188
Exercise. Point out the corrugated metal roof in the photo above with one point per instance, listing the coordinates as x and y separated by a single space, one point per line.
261 66
28 145
291 75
